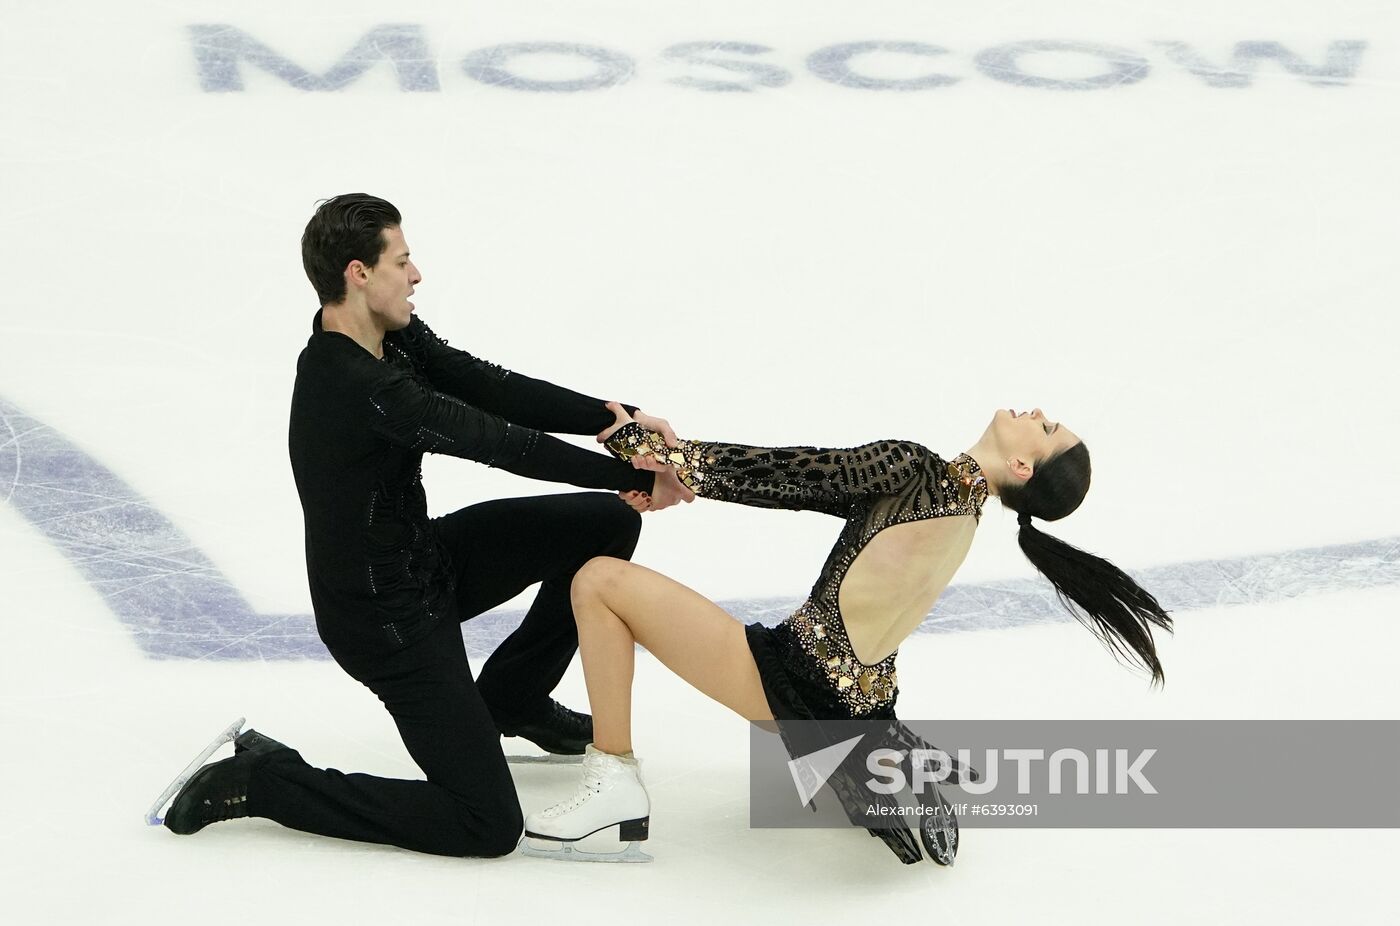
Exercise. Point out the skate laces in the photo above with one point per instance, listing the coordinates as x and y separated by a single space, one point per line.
595 771
228 808
568 721
228 802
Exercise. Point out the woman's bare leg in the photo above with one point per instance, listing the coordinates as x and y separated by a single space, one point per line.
618 604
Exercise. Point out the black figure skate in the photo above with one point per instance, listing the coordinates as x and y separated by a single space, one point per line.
205 794
563 735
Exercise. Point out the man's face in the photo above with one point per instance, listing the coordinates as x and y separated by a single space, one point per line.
391 282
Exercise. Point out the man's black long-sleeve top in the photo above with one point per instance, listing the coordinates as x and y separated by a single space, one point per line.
359 428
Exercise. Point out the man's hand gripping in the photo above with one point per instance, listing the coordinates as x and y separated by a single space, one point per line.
668 490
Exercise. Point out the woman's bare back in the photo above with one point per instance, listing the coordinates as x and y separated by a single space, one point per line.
896 579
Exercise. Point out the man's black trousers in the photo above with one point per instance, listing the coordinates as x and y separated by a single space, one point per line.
467 805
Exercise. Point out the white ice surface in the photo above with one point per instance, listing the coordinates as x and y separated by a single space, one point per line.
1198 280
84 756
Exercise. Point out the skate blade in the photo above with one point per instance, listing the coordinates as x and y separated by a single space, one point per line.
548 758
153 817
939 834
561 851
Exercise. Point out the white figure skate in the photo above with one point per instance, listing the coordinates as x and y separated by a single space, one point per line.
611 794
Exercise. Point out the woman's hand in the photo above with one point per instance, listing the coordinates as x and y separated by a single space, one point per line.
622 417
668 490
638 501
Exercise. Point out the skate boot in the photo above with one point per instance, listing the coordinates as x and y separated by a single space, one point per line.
611 794
217 791
255 742
558 731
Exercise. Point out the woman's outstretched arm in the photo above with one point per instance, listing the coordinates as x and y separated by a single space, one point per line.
822 479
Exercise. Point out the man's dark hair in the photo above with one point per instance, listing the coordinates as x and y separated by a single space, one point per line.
344 228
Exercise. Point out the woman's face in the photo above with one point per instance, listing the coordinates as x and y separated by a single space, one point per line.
1027 437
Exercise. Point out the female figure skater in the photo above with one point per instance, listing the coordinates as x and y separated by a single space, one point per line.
910 518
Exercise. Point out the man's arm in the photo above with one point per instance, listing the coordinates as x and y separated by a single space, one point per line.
411 415
519 399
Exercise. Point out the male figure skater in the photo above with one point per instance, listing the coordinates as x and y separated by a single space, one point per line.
375 390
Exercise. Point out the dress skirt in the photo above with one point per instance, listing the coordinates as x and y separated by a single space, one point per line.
797 692
791 682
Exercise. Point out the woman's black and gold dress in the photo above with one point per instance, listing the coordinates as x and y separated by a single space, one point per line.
807 665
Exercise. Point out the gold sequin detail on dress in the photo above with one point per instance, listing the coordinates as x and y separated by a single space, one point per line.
632 440
871 487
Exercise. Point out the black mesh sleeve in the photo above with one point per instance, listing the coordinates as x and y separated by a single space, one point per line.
815 478
796 478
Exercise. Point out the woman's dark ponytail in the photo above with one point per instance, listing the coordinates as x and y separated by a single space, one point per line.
1101 596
